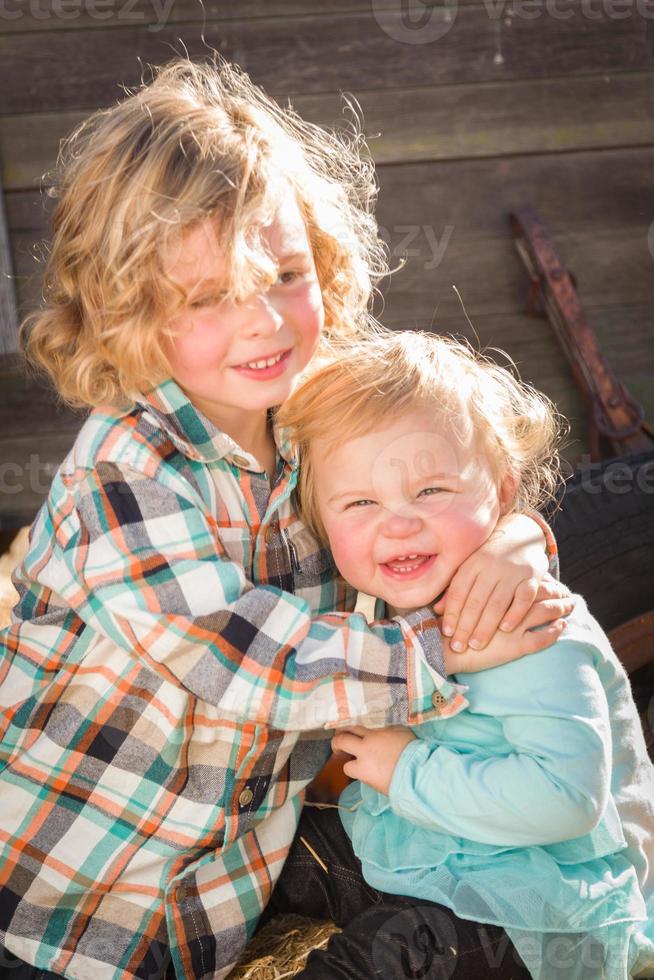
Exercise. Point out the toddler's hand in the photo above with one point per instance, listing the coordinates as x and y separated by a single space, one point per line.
374 752
505 647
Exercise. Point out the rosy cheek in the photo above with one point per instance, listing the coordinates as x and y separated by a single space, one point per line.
340 543
311 306
201 345
351 546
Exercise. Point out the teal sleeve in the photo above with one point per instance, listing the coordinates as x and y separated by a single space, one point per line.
553 782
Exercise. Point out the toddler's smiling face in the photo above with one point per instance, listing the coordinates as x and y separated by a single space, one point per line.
404 506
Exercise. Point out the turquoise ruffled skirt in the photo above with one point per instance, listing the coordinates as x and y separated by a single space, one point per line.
573 910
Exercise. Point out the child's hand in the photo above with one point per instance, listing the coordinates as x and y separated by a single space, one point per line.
498 584
505 647
374 753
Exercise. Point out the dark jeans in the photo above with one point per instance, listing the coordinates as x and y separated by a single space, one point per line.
384 936
11 968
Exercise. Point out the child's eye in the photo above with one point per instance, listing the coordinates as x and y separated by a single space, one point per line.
431 491
291 275
359 503
203 301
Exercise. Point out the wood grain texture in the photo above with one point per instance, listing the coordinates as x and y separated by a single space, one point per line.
8 311
318 54
57 15
417 124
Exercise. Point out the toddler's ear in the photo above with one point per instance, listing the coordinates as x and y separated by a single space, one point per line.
507 491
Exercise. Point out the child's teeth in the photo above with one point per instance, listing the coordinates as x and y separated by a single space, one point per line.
263 364
406 558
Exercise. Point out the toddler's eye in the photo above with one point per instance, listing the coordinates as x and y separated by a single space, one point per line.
431 491
359 503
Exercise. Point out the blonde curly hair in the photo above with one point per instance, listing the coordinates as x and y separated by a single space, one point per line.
378 378
198 140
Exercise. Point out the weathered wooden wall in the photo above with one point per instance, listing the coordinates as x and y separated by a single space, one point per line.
485 107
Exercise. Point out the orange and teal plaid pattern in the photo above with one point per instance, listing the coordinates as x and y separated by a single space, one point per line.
179 652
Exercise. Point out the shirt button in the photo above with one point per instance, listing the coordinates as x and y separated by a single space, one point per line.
246 797
271 531
241 460
438 699
181 893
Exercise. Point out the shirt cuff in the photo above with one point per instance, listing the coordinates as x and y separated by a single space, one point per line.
550 542
430 694
401 789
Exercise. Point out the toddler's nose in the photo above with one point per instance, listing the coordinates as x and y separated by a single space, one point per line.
401 525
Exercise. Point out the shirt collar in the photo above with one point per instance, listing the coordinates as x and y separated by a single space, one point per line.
196 436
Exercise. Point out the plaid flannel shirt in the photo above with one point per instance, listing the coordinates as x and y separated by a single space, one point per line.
180 645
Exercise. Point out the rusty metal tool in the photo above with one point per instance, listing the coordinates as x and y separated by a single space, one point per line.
616 421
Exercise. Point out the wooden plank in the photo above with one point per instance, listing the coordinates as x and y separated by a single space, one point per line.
53 15
311 55
36 432
429 123
452 219
28 466
29 405
8 311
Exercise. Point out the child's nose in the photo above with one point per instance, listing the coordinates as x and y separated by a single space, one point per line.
401 525
263 319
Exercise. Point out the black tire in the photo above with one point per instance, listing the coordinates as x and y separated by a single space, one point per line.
606 551
604 528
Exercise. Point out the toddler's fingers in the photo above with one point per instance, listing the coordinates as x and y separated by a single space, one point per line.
523 600
493 614
533 642
551 588
546 611
474 607
345 742
562 607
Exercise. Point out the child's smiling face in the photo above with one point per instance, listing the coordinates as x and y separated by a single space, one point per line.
220 360
404 506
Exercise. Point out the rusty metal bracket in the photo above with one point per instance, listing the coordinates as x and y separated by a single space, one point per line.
616 420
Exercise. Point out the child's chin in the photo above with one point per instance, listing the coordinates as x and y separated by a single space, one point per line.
410 598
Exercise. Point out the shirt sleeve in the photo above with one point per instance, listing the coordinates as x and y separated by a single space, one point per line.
143 565
553 782
551 547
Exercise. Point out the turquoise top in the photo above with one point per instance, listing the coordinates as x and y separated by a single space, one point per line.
532 809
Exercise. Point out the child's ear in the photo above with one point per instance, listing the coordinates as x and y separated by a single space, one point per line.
507 491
